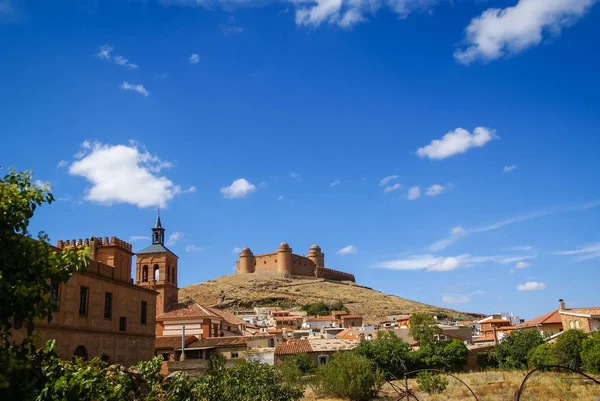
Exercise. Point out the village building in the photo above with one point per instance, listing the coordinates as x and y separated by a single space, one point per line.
101 313
584 319
319 350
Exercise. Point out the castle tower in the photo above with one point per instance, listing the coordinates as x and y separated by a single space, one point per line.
247 261
156 268
284 259
316 256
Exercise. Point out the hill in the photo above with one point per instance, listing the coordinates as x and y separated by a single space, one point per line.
266 288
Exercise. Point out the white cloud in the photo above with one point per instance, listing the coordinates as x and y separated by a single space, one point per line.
499 32
458 141
62 163
194 248
414 193
236 250
447 263
280 197
531 286
190 190
174 238
457 230
194 58
522 265
586 252
455 299
240 188
435 190
335 183
123 174
136 88
42 184
508 169
295 176
520 248
386 180
390 188
105 52
347 250
134 238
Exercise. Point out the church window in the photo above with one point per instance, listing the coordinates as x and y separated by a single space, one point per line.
83 300
144 312
122 323
156 273
145 273
108 298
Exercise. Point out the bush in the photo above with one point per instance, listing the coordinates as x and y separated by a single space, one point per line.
568 347
295 368
350 376
513 350
431 383
391 355
448 355
543 354
486 359
590 353
322 309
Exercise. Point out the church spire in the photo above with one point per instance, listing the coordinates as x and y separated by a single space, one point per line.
158 232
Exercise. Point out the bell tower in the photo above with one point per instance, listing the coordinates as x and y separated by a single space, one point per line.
157 269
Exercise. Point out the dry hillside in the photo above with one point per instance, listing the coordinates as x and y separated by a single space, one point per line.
265 288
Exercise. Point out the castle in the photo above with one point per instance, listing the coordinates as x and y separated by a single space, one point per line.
288 264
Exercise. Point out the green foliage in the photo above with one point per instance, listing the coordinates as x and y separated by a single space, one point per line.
448 355
304 362
486 359
350 376
543 354
568 347
431 383
29 269
296 368
423 328
513 350
391 355
590 353
322 309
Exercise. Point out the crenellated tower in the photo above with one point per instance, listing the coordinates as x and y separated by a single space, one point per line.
156 268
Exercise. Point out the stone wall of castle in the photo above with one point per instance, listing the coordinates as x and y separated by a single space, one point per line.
286 263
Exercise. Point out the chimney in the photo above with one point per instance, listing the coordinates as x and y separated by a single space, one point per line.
561 304
495 335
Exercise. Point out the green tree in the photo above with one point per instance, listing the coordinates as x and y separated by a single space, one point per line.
391 355
590 353
568 347
431 383
448 355
512 350
543 354
424 328
351 376
29 270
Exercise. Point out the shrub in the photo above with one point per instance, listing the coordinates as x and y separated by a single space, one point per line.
512 351
449 355
350 376
424 328
486 359
391 355
543 354
568 347
590 353
431 383
295 368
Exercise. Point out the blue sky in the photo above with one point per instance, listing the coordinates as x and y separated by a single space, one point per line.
443 151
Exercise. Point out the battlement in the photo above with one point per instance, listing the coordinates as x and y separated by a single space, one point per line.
95 241
289 264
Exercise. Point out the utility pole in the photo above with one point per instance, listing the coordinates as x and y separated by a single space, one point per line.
182 357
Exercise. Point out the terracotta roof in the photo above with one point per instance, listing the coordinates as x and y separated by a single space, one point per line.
333 344
584 311
484 339
320 319
188 309
549 318
351 317
274 331
496 321
346 333
280 312
293 347
227 316
220 342
287 318
172 341
339 312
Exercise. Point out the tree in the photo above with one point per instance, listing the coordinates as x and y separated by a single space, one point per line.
543 354
568 347
513 350
391 355
590 353
424 328
29 269
351 376
449 355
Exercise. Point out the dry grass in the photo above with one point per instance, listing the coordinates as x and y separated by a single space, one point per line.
501 386
268 288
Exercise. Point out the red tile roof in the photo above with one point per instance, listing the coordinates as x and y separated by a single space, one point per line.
235 341
287 318
227 316
549 318
293 347
171 342
188 309
496 321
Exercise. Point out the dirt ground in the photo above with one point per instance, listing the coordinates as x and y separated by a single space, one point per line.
499 386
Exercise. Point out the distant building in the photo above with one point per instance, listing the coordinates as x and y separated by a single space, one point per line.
585 319
286 263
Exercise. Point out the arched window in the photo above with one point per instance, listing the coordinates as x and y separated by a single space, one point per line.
577 324
571 325
145 273
156 273
81 352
